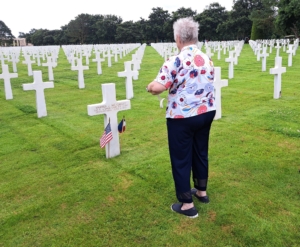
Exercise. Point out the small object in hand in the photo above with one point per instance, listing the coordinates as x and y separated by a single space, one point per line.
147 89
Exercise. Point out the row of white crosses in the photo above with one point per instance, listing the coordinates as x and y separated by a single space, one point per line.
232 60
6 76
10 54
35 54
38 85
74 55
278 70
109 106
132 74
165 50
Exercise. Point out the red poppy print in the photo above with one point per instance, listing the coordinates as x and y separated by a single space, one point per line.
202 109
178 116
168 84
198 60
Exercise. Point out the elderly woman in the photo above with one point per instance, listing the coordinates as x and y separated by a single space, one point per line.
190 111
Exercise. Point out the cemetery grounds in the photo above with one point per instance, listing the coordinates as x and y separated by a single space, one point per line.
58 189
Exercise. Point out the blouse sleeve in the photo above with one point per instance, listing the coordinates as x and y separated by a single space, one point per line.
168 72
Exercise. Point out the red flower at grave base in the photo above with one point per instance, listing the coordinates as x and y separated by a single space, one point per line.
202 109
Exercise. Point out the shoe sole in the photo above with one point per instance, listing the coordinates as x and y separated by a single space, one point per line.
192 217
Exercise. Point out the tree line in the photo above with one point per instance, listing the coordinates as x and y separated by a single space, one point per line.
248 19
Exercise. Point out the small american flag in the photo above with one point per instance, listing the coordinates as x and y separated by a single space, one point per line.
106 137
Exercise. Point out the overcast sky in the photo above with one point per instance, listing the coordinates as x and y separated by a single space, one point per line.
23 15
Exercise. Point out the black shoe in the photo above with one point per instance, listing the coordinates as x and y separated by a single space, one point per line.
203 199
191 213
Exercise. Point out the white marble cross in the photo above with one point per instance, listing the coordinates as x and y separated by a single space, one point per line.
87 56
50 64
290 51
208 52
80 69
236 56
29 63
284 45
129 74
136 64
277 71
110 107
219 51
14 60
98 60
296 44
6 76
38 57
230 60
264 56
271 46
258 49
115 52
218 84
2 58
108 55
224 48
120 52
278 48
38 85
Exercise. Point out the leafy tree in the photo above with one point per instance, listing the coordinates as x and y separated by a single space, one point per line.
107 28
179 13
263 18
143 26
158 24
37 38
227 30
128 32
240 17
5 33
63 37
249 4
288 19
79 29
213 16
256 33
48 40
182 13
93 38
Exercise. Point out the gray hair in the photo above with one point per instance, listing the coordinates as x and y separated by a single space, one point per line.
186 29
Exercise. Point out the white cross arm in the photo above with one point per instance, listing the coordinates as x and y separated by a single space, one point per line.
275 71
103 108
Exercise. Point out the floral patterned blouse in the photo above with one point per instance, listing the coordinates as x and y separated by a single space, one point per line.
189 77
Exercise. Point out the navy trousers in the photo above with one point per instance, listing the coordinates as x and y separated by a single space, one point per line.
188 146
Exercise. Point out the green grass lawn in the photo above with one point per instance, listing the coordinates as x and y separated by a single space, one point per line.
58 189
